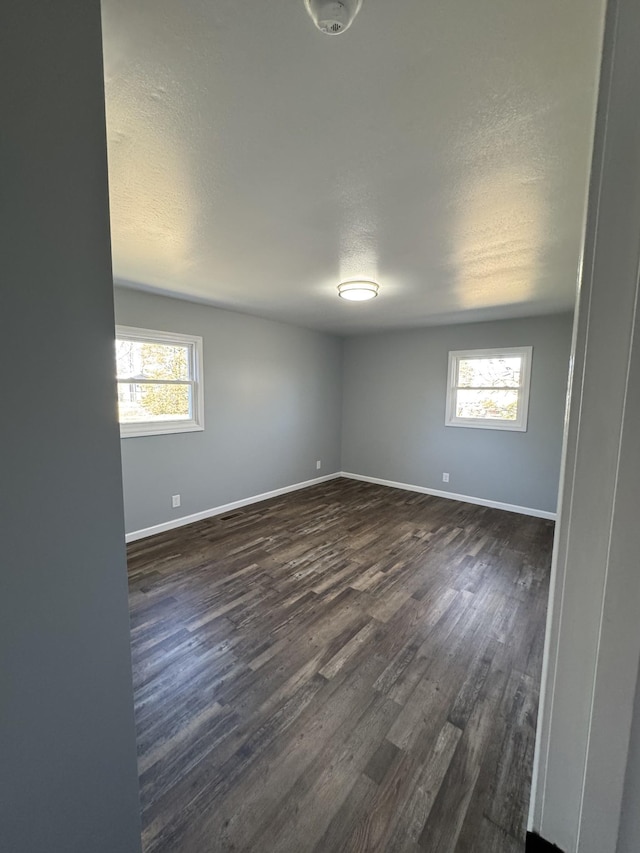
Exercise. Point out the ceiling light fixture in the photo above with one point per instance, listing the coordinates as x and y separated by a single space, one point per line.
358 290
333 16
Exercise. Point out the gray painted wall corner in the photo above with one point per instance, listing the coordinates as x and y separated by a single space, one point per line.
69 777
394 390
273 398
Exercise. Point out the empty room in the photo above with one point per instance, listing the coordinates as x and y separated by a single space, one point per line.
320 529
340 510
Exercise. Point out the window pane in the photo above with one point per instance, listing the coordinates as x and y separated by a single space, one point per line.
489 372
487 405
144 360
139 402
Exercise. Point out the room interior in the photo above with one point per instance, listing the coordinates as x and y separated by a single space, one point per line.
255 163
472 245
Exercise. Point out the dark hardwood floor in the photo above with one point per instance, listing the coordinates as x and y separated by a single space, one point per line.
345 668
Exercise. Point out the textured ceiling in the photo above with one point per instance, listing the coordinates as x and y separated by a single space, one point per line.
439 148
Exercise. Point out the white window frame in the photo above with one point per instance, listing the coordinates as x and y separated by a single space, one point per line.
518 425
194 344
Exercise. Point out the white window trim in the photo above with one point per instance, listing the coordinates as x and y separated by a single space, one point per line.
519 425
196 423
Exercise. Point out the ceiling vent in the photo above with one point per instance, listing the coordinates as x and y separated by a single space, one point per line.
333 16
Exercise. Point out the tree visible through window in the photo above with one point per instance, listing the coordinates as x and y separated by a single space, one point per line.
489 388
159 381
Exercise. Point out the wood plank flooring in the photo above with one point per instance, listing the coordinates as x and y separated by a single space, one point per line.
346 668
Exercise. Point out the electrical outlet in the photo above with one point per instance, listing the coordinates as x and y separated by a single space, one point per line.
318 464
445 477
175 500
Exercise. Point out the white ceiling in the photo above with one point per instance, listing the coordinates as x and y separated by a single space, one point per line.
441 148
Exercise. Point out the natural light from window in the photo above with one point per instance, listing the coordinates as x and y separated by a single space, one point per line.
489 389
159 381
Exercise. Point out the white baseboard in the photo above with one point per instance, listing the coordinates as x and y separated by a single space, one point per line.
523 510
220 510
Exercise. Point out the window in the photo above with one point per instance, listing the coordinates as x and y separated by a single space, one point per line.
159 378
489 388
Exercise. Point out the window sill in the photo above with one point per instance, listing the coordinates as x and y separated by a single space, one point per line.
503 427
167 428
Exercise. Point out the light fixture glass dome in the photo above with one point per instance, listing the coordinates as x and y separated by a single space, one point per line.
358 290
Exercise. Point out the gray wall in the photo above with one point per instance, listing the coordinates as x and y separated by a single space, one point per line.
630 819
592 652
67 742
394 390
272 408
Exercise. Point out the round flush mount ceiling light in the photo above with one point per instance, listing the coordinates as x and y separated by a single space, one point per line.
358 290
333 16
